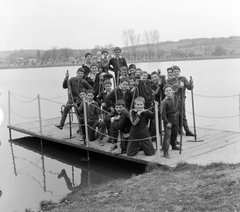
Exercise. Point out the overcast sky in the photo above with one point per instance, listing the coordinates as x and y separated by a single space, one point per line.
78 24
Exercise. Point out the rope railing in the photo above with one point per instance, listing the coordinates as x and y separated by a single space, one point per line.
51 101
214 96
216 117
24 116
24 101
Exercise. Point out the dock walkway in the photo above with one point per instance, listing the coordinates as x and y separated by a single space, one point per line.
217 146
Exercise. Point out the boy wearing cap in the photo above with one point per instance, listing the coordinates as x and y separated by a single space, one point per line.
117 62
181 92
75 84
93 118
132 69
170 120
87 64
118 120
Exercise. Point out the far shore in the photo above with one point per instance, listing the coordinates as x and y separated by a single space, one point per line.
128 61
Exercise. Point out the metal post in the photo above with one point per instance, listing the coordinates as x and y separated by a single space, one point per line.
39 112
157 130
86 125
9 116
239 111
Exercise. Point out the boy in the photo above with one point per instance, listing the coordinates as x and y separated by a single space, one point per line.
121 92
118 120
140 133
184 84
138 72
87 64
75 84
157 86
123 72
170 120
93 118
117 62
132 70
104 63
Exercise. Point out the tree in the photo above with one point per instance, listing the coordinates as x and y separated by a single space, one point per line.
133 40
38 55
219 51
150 38
66 53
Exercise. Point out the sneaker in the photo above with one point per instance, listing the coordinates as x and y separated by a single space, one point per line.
59 126
101 143
166 155
113 147
189 133
175 148
62 173
117 151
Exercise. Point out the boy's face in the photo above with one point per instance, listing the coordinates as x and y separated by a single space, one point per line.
105 55
137 73
124 85
131 83
144 76
89 58
117 53
107 87
170 74
123 72
155 78
82 94
176 73
168 92
80 74
119 108
139 105
90 96
94 69
132 70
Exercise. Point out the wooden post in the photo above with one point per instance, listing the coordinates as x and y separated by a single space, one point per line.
39 112
9 116
157 131
239 111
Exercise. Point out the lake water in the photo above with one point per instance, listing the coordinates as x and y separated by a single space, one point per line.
31 171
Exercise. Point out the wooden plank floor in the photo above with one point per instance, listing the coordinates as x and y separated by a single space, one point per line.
213 141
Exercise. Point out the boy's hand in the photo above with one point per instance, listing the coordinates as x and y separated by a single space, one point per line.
117 117
169 125
67 75
104 104
100 120
139 112
112 109
181 84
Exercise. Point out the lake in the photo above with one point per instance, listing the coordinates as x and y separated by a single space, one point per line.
33 170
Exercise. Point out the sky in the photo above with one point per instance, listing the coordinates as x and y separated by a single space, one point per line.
80 24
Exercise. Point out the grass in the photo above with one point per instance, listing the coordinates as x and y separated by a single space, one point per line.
186 187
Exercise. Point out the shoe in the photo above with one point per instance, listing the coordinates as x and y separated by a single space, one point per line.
101 143
117 151
59 126
175 148
78 131
166 155
63 172
189 133
178 143
113 147
109 140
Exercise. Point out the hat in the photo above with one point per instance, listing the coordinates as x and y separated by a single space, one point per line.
90 91
82 90
117 49
132 66
169 69
175 68
104 51
107 76
107 82
81 70
87 54
167 86
120 102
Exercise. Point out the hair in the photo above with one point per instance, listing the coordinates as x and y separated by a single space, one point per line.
81 70
139 69
144 72
94 64
154 72
107 82
104 51
140 99
167 86
120 102
117 49
90 91
82 90
131 78
87 54
169 69
132 66
123 68
175 68
124 79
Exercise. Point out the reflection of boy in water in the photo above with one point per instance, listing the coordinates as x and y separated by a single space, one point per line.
70 185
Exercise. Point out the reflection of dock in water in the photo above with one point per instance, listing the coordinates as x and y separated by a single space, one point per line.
213 141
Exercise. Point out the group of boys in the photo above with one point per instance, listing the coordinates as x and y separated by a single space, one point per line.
126 111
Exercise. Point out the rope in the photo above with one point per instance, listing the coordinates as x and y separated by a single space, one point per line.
142 139
52 101
100 108
57 97
220 117
214 96
25 116
25 101
21 96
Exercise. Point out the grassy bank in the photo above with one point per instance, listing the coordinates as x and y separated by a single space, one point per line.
215 187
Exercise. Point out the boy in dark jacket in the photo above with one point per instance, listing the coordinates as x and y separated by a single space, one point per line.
170 120
93 118
118 120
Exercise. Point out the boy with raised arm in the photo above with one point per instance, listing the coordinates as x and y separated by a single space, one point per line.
170 120
139 134
75 84
93 118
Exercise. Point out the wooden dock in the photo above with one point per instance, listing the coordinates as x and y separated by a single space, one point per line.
214 140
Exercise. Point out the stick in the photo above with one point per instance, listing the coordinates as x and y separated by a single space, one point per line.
160 101
115 90
157 130
180 151
134 92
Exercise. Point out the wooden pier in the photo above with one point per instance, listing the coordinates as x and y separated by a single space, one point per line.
213 141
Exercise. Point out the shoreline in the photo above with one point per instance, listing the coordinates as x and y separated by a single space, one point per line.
128 61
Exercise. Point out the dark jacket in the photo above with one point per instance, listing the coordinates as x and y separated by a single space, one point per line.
115 64
94 84
86 69
145 91
76 85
